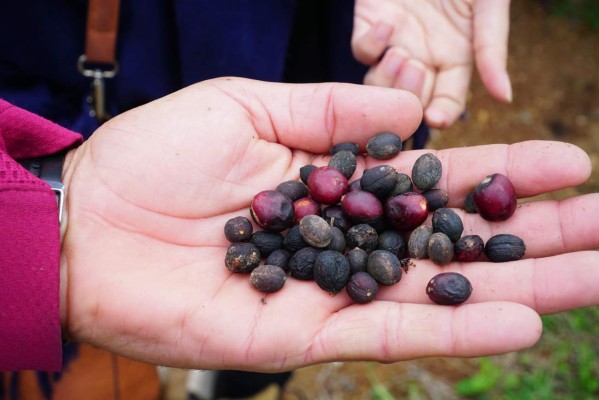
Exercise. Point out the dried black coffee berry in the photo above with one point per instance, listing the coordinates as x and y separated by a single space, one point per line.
315 231
440 248
295 190
426 171
362 288
403 184
279 258
505 247
354 186
468 248
344 161
436 198
384 267
301 264
357 260
238 229
418 241
449 288
392 241
335 217
293 240
268 278
449 222
331 271
363 236
384 146
469 205
305 172
346 146
379 180
242 257
337 242
267 242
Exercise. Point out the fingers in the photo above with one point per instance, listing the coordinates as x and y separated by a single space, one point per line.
387 331
448 99
370 41
491 27
548 285
312 117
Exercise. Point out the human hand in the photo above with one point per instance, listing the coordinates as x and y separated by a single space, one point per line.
150 192
430 48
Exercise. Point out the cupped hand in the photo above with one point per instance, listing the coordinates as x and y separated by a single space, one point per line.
429 46
150 192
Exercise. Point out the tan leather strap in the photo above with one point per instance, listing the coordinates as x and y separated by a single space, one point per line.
102 30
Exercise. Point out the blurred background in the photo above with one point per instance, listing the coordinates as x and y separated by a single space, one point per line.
554 67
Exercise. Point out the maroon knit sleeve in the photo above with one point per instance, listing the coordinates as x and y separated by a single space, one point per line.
30 335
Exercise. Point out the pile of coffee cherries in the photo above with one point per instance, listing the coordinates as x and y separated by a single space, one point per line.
360 234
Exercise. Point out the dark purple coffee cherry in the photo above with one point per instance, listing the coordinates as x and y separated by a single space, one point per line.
418 241
384 267
392 241
379 180
354 186
301 264
449 288
426 171
505 247
305 172
304 206
357 260
403 184
440 248
363 236
346 146
468 248
495 198
436 198
406 211
449 222
293 189
267 242
315 231
242 257
362 207
268 278
345 162
279 258
362 288
331 271
384 146
335 217
238 229
293 240
327 185
337 242
272 210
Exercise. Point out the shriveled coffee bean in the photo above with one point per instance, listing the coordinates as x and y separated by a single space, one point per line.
242 257
331 271
436 198
440 248
392 241
449 288
418 241
505 247
362 288
357 260
363 236
305 172
384 146
346 146
315 231
293 240
293 189
238 229
403 184
335 216
345 162
469 205
449 222
468 248
337 242
384 267
268 278
426 171
279 258
379 180
267 242
301 264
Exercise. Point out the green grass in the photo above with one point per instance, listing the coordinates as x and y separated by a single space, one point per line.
564 365
584 11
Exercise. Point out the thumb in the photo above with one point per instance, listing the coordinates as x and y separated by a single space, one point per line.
491 28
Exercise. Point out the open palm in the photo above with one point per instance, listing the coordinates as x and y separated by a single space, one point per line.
150 192
429 48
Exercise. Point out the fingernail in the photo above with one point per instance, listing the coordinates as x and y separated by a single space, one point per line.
411 77
436 118
393 63
508 88
382 31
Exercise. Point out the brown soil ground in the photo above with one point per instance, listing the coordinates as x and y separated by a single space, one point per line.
554 67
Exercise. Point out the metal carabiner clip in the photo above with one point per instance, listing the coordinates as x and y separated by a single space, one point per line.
96 99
